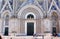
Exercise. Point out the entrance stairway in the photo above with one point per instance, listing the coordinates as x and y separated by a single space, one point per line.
47 36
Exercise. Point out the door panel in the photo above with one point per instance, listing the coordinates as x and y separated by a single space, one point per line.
54 31
6 31
30 28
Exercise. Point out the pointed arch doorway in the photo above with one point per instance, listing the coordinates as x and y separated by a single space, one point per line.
55 23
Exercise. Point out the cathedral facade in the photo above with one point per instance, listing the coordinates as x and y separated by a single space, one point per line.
29 17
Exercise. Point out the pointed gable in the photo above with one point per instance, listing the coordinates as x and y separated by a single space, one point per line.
30 2
53 6
6 6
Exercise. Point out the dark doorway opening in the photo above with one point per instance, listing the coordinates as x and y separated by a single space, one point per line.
54 31
6 31
30 29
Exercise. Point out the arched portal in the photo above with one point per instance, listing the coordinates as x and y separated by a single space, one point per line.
30 15
5 26
55 24
30 24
